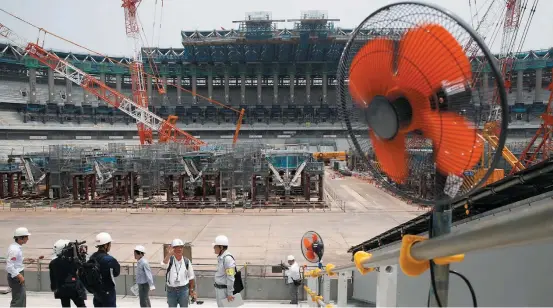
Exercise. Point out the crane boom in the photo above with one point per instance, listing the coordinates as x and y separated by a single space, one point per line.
136 69
165 129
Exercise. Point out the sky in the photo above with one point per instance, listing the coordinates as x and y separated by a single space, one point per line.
100 24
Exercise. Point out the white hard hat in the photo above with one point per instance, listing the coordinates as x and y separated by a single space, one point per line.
291 258
103 238
177 242
59 245
221 240
140 248
21 231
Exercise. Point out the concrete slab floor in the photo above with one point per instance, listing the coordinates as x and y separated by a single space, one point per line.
258 237
41 299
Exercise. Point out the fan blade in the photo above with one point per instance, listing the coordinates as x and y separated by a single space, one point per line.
430 56
306 243
310 255
370 72
391 156
315 237
457 146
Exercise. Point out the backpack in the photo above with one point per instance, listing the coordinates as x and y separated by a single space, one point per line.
238 285
186 262
91 276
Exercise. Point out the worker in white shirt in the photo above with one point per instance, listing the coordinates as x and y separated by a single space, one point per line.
15 267
179 278
144 278
225 273
293 278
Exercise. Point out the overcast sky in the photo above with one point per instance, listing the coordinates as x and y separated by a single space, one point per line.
99 24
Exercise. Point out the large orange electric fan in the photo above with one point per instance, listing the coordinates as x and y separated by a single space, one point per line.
414 108
312 247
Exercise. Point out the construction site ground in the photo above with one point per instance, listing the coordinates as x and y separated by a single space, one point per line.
260 237
46 299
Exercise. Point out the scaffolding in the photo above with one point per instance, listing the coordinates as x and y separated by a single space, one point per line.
171 175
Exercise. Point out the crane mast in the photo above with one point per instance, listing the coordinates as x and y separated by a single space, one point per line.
139 93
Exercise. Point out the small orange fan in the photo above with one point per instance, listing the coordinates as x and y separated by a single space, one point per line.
312 247
397 83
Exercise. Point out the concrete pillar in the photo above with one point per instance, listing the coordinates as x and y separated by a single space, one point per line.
386 286
308 87
149 88
118 83
259 88
179 91
485 88
325 87
51 94
342 298
103 78
539 77
86 98
32 86
226 83
193 82
243 87
210 82
292 84
326 288
68 90
519 87
275 87
164 84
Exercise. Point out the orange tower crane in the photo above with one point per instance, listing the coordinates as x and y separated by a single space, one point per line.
166 130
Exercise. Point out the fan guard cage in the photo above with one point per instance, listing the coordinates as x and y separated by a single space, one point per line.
309 235
483 104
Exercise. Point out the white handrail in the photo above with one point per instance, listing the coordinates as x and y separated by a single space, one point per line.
518 228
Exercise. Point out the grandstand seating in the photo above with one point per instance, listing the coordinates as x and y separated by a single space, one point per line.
74 107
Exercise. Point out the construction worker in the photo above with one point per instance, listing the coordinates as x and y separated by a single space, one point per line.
226 269
293 278
109 269
179 278
144 278
15 267
64 280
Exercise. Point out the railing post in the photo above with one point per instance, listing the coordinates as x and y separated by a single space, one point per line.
342 298
326 288
245 280
39 275
313 284
386 286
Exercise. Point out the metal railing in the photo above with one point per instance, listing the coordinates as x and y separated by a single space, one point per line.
519 228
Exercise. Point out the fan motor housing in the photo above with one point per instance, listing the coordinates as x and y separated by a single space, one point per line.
386 117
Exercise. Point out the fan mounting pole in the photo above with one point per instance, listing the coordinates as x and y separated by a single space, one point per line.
441 224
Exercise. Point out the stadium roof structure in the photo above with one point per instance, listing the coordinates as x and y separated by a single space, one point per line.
313 45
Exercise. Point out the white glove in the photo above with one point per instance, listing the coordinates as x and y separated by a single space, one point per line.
152 287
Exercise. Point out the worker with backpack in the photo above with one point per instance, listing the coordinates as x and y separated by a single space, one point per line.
228 280
179 278
100 272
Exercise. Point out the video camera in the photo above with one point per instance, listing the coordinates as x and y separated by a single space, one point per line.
75 251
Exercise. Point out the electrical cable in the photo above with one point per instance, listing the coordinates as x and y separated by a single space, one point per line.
433 277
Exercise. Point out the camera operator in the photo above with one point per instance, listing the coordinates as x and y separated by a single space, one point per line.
109 269
64 280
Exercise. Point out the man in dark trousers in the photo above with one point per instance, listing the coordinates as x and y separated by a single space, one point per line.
15 267
109 269
64 281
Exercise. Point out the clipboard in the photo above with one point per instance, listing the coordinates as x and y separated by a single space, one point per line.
237 302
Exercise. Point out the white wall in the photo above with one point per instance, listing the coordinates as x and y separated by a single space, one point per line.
506 277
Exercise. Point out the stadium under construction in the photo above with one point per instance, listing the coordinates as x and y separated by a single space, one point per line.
283 81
